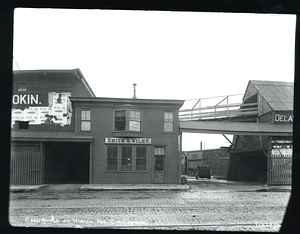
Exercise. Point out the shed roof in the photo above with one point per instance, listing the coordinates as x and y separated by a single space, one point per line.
54 81
278 94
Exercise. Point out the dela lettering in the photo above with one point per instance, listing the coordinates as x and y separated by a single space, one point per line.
283 118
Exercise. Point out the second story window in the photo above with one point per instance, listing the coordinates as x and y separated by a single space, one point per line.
128 120
135 121
168 122
85 120
22 88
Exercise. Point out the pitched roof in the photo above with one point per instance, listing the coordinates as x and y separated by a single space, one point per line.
278 94
54 81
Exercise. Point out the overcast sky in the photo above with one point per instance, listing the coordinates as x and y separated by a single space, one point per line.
169 55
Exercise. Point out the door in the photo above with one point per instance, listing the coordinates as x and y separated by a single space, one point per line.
159 165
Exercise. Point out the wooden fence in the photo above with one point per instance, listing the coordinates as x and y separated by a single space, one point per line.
26 168
280 168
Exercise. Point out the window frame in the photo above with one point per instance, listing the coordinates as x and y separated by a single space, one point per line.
134 167
128 120
85 120
167 122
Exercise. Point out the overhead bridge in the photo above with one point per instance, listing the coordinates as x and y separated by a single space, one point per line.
236 128
226 115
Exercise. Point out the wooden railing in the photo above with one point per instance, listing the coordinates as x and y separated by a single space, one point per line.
224 108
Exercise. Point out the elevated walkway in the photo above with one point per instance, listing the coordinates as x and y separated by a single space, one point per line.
235 128
226 115
228 107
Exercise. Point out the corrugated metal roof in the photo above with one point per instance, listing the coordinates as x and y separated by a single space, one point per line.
279 94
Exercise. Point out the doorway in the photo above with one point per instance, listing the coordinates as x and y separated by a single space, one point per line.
159 165
67 163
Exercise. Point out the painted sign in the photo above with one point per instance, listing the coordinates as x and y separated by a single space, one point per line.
24 100
58 111
283 117
137 141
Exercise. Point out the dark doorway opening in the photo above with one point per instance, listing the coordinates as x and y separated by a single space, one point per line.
67 163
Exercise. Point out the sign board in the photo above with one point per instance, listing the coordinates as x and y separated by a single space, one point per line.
283 117
136 141
58 109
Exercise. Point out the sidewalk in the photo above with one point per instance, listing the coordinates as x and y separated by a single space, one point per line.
100 187
247 185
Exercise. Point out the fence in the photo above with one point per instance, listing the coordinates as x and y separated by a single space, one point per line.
26 168
281 167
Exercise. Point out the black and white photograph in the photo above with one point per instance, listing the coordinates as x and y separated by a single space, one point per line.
151 120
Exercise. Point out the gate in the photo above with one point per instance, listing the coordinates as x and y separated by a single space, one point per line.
280 167
26 168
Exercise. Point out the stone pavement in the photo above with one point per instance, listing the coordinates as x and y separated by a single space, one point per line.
207 205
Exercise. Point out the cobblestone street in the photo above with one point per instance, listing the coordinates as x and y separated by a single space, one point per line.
236 207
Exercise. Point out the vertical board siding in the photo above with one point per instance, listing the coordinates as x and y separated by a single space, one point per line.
26 168
281 169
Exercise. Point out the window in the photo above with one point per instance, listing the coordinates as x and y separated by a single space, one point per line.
127 120
21 124
85 121
126 158
135 121
112 158
168 122
141 158
22 88
120 120
159 155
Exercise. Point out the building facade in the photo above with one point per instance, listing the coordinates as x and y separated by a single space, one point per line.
265 159
134 140
62 133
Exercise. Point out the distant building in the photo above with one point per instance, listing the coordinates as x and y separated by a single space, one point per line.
216 159
265 159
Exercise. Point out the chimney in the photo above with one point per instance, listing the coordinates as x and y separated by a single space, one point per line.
134 95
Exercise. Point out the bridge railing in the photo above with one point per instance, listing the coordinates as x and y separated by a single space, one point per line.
216 107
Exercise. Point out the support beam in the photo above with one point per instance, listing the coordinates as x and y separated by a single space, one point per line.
227 139
236 128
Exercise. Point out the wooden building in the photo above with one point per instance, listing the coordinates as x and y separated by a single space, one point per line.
265 159
44 148
62 133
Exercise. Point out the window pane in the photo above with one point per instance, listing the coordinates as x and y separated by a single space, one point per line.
134 126
141 158
159 163
112 154
85 115
120 120
135 115
126 159
159 150
168 116
168 127
85 126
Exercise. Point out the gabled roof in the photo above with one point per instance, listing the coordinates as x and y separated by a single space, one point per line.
54 81
278 94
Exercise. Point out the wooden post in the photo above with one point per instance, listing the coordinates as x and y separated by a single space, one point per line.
269 161
91 164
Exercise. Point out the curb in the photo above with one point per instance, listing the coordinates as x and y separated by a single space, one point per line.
29 188
132 188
